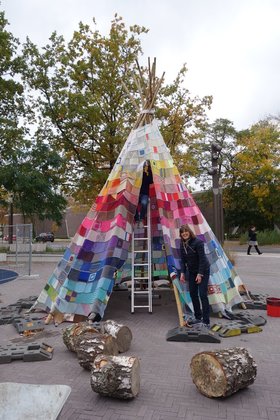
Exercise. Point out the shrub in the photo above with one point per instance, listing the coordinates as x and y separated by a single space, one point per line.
266 237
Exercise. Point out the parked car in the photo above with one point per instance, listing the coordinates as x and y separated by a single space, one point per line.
45 237
6 238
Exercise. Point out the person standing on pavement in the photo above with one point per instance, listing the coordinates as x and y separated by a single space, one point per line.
195 269
252 240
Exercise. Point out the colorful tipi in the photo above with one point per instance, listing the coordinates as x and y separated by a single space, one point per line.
84 278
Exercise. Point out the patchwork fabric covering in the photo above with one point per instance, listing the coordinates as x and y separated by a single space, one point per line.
84 278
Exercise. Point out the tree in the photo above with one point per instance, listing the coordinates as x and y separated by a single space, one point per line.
84 109
11 93
248 169
31 178
223 133
253 193
29 168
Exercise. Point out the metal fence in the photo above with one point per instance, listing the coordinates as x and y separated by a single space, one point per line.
15 249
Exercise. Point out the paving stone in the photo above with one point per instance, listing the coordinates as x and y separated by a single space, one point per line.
166 390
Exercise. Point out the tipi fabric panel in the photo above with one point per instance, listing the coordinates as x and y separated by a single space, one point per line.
84 278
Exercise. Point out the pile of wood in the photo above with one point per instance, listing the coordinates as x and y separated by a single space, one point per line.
97 347
221 373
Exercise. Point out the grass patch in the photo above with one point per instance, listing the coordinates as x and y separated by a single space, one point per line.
51 250
266 237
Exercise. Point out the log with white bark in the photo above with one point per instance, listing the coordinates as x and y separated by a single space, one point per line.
89 345
70 334
116 376
220 373
120 332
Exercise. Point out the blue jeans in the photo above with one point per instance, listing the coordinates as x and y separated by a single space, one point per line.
143 201
200 291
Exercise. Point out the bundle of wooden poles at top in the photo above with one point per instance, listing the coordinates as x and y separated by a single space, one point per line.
148 90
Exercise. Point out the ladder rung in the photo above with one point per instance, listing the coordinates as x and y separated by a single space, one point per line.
140 239
140 263
142 251
141 306
141 278
144 292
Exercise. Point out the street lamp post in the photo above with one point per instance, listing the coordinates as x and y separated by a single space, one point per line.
217 193
11 217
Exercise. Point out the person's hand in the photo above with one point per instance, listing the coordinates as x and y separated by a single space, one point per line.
198 279
182 278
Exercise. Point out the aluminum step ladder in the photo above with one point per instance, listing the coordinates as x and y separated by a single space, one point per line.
141 285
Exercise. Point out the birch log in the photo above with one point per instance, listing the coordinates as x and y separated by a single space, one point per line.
120 332
220 373
116 376
88 346
70 334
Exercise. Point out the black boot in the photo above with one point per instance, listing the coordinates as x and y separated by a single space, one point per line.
248 250
258 251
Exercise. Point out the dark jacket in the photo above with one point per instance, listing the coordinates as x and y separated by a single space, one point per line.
193 255
146 181
252 234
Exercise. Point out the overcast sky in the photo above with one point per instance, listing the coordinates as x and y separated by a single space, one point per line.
231 47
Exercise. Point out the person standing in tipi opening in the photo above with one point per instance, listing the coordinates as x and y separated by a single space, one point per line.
195 269
147 180
252 240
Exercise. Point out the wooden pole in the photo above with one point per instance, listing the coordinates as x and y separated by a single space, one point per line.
179 306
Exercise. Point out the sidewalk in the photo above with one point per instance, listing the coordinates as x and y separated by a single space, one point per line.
167 391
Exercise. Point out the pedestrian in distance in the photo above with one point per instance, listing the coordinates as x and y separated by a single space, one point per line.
252 240
195 269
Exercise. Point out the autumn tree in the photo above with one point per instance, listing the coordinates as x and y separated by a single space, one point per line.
253 192
84 109
248 170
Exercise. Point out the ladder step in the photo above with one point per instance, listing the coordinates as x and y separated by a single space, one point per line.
142 252
135 263
141 278
141 306
140 239
139 292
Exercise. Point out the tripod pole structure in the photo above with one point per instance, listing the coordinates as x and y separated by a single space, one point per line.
179 306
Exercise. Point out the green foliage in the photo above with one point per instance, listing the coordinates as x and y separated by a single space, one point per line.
84 109
11 93
249 172
59 250
32 179
266 237
184 121
253 189
29 167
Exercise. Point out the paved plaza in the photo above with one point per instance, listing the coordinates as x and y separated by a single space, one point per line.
167 391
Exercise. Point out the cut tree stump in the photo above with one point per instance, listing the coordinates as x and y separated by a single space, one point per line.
88 346
116 376
220 373
71 333
120 332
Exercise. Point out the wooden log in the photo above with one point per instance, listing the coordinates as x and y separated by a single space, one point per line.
88 346
70 334
120 332
116 376
221 373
